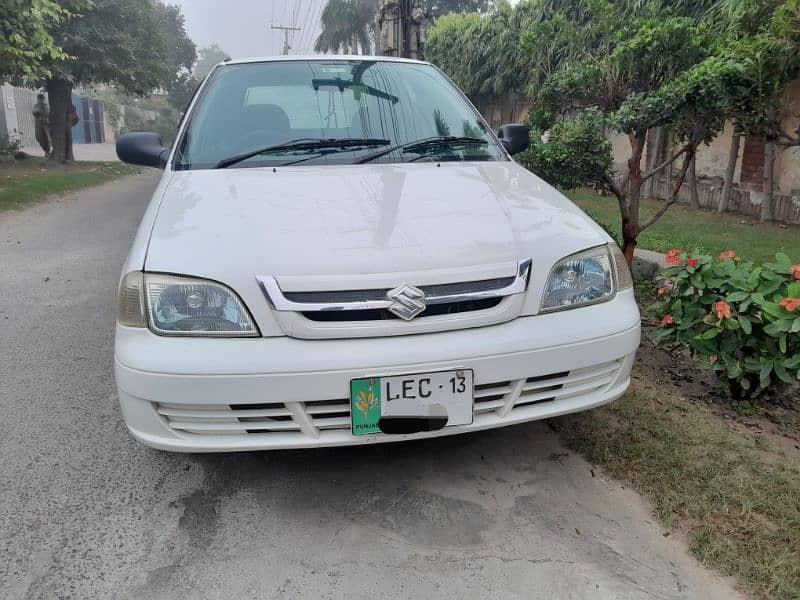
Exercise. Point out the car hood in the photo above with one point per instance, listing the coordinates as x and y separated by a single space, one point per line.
340 221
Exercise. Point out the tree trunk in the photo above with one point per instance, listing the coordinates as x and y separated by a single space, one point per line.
694 197
769 181
59 94
730 171
630 221
654 159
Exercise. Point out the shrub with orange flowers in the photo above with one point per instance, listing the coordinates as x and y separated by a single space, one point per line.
673 258
738 318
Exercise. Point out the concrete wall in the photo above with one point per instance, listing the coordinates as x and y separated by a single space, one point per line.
8 112
501 111
17 119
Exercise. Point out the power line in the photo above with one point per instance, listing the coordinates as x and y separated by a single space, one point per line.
320 6
306 25
314 8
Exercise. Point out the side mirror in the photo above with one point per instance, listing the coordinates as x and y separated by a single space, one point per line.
514 137
142 148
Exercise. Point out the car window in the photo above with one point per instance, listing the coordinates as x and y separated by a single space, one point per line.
245 107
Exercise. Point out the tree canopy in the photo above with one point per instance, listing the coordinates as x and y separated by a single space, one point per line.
591 67
438 8
135 45
207 59
27 46
346 25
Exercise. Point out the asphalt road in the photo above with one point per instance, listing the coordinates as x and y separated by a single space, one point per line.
86 512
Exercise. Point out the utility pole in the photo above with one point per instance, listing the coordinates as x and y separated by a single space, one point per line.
402 25
402 42
286 30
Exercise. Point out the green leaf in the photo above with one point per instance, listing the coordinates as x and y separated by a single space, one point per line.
763 375
729 268
777 327
783 261
795 326
754 276
709 334
793 291
783 374
737 297
746 324
782 343
792 362
734 371
732 324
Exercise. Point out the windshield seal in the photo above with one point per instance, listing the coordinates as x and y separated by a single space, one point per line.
494 149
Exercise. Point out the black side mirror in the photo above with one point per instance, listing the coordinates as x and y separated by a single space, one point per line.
514 137
142 148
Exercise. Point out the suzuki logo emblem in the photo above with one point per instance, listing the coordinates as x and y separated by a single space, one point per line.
407 301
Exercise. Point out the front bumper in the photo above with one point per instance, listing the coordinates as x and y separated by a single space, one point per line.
177 393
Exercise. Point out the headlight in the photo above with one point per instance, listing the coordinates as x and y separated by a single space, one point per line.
587 277
183 306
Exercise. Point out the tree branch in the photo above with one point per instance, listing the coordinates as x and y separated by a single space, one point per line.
790 140
687 161
615 189
666 163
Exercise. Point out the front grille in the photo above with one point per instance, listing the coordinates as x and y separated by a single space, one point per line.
448 289
312 419
372 310
382 314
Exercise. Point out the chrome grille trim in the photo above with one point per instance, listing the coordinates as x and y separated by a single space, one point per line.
376 299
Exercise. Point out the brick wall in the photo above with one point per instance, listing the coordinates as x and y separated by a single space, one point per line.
752 170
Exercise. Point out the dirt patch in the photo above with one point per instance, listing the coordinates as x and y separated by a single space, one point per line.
776 420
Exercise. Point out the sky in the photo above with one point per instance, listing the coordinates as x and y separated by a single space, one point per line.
242 27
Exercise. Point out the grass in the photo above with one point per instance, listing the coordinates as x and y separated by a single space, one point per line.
697 230
32 180
735 497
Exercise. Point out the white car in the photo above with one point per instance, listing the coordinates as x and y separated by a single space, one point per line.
340 251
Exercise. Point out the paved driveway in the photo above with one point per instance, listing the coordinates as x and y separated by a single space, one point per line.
100 152
85 512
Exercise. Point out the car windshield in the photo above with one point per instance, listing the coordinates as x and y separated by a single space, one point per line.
248 107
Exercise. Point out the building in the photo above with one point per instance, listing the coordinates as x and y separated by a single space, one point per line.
16 118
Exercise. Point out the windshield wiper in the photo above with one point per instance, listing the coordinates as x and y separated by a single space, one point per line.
424 145
305 144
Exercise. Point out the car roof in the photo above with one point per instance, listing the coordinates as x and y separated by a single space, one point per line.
320 57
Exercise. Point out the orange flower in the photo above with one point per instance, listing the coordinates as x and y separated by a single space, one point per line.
662 291
723 310
727 254
672 258
667 320
790 304
795 270
692 262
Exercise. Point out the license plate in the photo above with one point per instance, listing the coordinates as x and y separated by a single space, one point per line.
411 403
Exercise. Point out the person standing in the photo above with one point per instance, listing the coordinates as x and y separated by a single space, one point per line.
72 120
41 118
